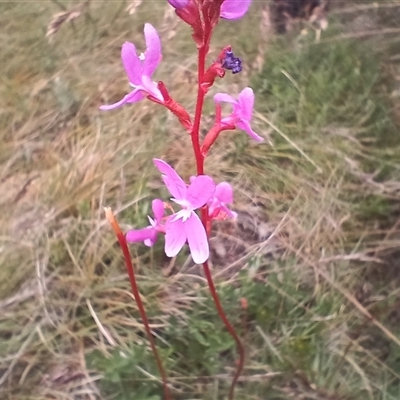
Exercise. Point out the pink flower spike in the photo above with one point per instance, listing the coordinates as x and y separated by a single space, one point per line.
242 111
234 9
178 3
148 235
223 195
185 225
140 69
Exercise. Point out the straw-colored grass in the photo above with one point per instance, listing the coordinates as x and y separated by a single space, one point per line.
309 274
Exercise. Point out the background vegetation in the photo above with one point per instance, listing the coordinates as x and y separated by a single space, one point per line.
310 272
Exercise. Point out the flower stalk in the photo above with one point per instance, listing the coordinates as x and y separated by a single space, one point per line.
229 327
135 291
195 134
207 222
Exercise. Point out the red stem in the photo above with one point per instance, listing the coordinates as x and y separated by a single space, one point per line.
136 295
195 135
229 327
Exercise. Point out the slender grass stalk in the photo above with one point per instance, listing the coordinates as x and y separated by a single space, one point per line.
132 279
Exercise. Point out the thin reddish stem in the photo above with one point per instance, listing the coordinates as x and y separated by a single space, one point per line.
229 327
195 135
136 295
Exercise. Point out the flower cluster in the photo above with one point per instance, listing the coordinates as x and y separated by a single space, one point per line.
185 225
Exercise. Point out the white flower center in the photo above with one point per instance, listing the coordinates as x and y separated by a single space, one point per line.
184 214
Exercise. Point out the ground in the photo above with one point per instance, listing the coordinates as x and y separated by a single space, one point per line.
309 274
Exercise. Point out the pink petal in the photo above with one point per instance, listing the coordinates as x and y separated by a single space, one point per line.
132 63
229 213
212 205
178 3
157 206
234 9
197 239
173 182
147 235
151 88
245 126
246 103
229 120
200 191
224 193
152 55
151 240
131 97
224 98
175 237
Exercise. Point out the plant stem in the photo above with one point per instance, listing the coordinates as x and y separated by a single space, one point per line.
229 327
136 295
195 135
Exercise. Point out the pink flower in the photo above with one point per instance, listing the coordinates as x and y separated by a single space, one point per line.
178 3
148 235
140 69
185 225
242 111
217 205
230 9
234 9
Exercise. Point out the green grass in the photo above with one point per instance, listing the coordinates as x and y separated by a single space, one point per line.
313 254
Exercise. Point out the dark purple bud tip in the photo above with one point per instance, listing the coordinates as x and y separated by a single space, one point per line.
232 63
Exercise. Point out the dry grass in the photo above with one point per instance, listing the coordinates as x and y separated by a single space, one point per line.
314 252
